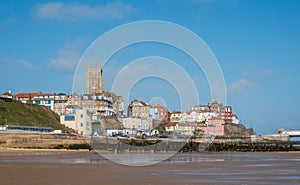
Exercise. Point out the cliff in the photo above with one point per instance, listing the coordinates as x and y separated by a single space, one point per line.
18 113
237 130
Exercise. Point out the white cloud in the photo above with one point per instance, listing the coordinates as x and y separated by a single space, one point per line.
241 86
25 64
261 73
75 11
68 56
67 59
268 73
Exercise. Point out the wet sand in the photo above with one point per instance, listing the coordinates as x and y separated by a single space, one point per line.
84 167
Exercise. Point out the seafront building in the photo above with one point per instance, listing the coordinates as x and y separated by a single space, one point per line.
176 116
61 101
80 121
207 119
159 112
6 96
26 97
98 104
137 123
79 111
138 109
44 99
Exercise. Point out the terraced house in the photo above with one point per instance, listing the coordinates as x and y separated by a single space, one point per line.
138 109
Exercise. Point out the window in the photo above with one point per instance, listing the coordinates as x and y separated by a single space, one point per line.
69 118
81 124
81 115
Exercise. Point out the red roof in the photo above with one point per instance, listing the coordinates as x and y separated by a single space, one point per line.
176 112
26 95
186 124
7 94
172 124
39 94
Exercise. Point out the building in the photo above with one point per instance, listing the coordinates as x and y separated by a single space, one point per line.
26 97
97 104
197 116
226 114
171 127
117 102
94 80
61 101
75 99
201 108
222 111
88 102
176 116
235 119
44 99
213 126
7 96
159 112
137 123
19 128
185 128
138 109
80 121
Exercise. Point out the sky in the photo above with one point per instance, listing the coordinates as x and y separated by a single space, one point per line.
256 44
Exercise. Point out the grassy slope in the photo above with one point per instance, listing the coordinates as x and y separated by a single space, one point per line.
17 113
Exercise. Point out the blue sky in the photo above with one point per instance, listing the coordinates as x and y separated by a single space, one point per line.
256 44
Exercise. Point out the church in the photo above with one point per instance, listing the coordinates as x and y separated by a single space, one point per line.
94 80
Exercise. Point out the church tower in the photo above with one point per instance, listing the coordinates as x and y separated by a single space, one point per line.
94 80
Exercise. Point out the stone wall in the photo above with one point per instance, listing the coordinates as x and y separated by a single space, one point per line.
41 140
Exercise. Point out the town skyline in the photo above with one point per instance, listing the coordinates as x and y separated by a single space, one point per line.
254 42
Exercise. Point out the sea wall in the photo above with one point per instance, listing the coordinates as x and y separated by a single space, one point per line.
220 143
41 141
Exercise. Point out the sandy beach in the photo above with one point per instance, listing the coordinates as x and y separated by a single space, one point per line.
85 167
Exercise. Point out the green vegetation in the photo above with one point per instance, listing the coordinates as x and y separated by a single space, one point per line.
198 133
161 127
17 113
201 123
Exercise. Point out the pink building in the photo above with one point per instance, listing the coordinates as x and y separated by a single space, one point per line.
213 127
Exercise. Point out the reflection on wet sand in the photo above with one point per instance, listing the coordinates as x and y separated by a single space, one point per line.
84 167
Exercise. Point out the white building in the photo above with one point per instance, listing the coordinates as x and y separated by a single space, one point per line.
176 116
196 116
235 119
61 101
44 99
185 128
80 121
137 123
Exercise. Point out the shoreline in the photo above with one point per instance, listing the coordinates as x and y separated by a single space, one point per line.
94 151
85 167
